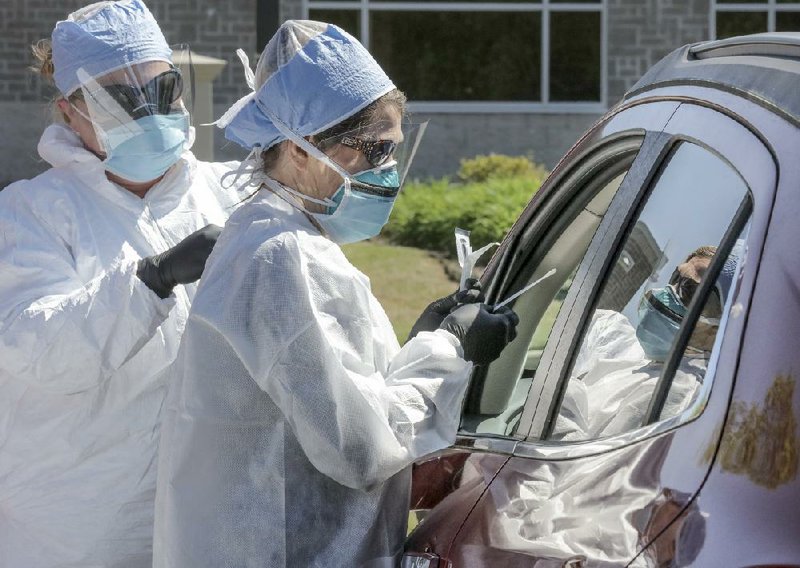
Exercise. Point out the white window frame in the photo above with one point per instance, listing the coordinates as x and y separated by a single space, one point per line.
545 106
771 7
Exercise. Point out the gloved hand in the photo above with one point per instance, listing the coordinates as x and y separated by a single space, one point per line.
483 334
182 264
433 316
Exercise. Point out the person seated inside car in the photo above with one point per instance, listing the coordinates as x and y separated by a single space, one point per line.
619 365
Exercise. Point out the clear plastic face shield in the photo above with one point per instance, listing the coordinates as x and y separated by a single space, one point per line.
372 162
373 159
140 112
374 148
182 61
137 91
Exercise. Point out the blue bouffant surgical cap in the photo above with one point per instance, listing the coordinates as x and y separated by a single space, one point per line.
104 37
310 77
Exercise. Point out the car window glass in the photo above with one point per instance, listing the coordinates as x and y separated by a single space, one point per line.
645 297
688 384
506 383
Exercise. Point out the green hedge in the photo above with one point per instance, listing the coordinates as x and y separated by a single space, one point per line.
493 192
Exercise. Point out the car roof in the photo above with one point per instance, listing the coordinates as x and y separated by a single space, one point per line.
762 67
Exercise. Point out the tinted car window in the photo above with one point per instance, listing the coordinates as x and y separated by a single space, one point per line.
641 308
505 385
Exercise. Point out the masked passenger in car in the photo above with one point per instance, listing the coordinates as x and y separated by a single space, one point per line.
295 415
609 392
618 365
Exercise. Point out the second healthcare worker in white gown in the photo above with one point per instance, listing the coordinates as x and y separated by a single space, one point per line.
91 255
294 414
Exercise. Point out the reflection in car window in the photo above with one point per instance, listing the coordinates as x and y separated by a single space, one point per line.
646 296
508 379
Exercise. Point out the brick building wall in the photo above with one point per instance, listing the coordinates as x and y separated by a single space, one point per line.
640 32
291 10
211 28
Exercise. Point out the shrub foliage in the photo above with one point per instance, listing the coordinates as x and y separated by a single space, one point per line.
492 192
497 166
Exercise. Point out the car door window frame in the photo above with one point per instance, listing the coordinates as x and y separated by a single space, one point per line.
599 164
609 236
640 118
735 229
545 409
607 246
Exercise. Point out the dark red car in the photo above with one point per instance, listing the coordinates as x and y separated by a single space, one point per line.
646 413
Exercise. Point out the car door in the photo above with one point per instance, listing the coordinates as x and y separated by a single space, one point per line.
579 447
441 492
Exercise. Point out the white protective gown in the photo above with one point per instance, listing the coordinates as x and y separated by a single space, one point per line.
609 393
294 414
83 349
613 381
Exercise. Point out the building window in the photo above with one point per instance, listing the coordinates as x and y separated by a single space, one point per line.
461 56
737 17
267 22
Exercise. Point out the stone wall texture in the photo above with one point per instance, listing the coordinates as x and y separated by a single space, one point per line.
214 28
639 33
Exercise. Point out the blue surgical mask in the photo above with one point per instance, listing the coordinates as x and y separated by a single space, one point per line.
143 150
361 211
360 207
660 315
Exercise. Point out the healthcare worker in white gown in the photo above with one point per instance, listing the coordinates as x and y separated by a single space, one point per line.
294 415
91 252
619 365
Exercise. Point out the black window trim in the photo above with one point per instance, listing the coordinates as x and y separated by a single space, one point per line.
737 225
556 358
542 228
567 346
762 198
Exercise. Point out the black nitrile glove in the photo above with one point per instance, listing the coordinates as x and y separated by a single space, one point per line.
433 316
483 334
181 264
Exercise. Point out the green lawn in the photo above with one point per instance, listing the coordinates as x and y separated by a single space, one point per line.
404 280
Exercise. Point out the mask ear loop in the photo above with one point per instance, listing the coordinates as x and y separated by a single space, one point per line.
249 166
295 199
313 151
275 185
79 111
250 79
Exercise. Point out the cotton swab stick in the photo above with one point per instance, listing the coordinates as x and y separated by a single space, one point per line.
525 289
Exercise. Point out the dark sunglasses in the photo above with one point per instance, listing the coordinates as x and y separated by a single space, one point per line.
157 96
376 151
651 299
684 287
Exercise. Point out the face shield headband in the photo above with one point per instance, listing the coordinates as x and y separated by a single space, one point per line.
139 118
351 182
138 90
361 206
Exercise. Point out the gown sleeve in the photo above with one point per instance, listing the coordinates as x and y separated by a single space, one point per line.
58 332
308 331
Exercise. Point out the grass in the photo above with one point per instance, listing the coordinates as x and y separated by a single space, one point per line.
404 280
